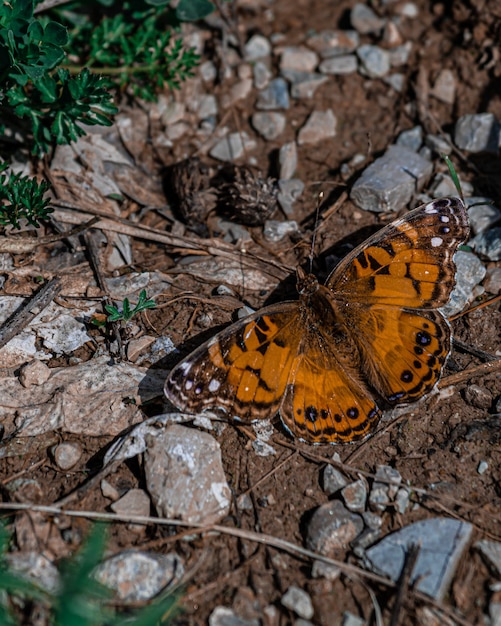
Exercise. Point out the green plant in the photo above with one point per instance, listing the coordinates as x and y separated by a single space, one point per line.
125 313
22 197
51 101
136 43
81 599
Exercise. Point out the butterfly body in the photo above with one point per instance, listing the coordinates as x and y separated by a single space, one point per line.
371 337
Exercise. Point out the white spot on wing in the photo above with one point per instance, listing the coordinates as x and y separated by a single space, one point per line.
436 242
214 385
185 367
188 385
431 208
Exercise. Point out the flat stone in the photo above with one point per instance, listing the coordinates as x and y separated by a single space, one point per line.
139 576
298 58
444 88
491 551
365 21
256 48
224 616
289 192
333 480
342 64
319 126
332 527
355 495
439 144
303 84
412 138
470 272
441 541
232 147
331 43
488 244
276 230
287 160
482 214
400 54
477 133
262 75
34 373
269 124
185 477
297 600
274 96
389 183
374 61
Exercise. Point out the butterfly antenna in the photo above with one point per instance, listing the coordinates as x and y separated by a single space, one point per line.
314 237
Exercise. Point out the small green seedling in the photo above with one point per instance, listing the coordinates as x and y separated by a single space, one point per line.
22 197
126 313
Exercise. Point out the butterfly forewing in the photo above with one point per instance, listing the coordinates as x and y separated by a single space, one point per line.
407 263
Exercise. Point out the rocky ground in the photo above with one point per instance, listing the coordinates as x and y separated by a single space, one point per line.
305 118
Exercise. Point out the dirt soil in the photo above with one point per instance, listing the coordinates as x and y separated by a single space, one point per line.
436 445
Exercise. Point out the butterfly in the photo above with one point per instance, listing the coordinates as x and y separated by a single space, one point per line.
372 337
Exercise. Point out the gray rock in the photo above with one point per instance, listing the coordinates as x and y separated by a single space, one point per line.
134 503
67 454
384 489
269 124
185 477
36 568
478 396
261 74
495 613
275 96
400 54
208 71
469 272
352 620
374 61
303 84
331 43
298 58
319 126
275 230
256 48
482 214
365 21
488 244
491 552
441 541
402 500
289 192
444 88
232 147
208 106
482 467
287 161
389 183
395 81
409 9
333 480
477 133
438 144
138 576
355 495
325 570
297 600
342 64
492 281
224 616
412 138
332 527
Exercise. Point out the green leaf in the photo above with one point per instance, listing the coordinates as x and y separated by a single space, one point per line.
192 10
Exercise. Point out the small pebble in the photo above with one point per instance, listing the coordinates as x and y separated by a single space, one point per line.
343 64
67 454
287 160
34 373
274 96
256 48
365 21
298 58
483 466
444 88
297 600
477 133
374 61
269 124
261 74
331 43
319 126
